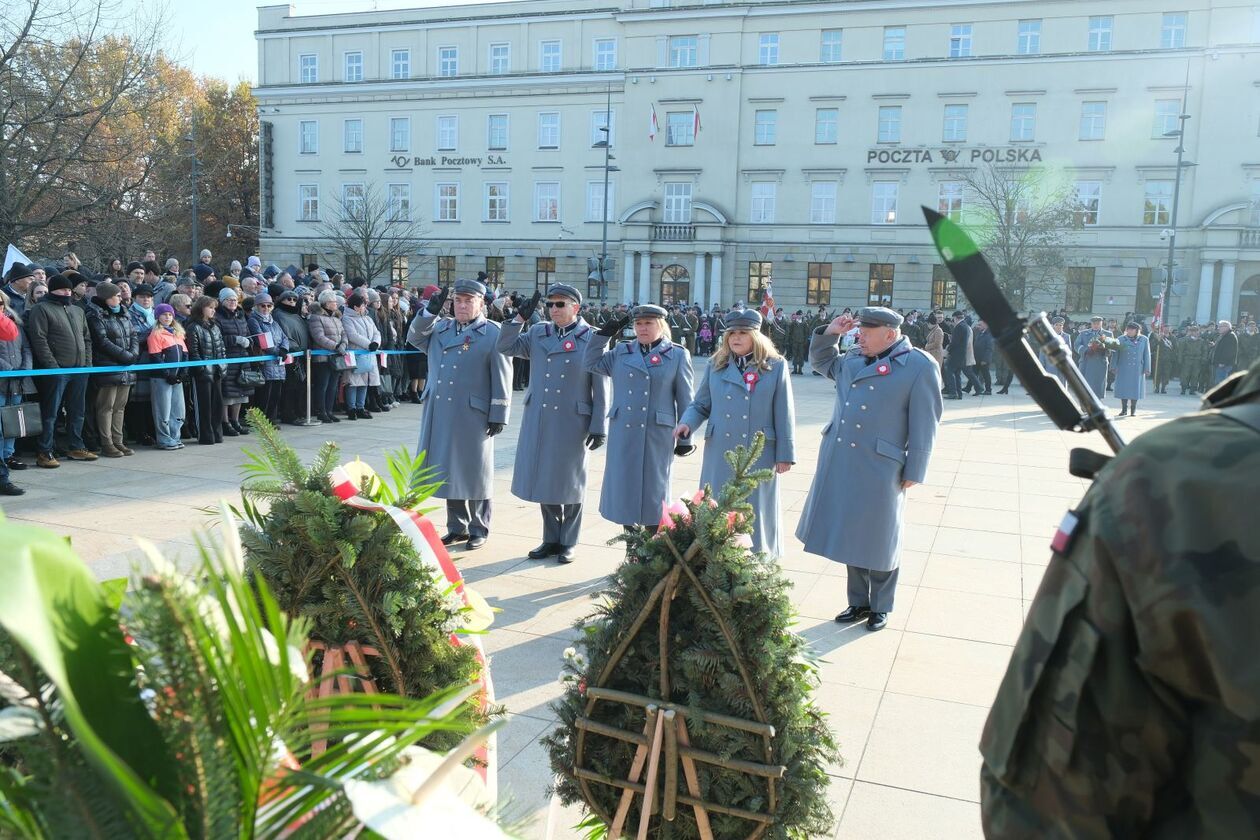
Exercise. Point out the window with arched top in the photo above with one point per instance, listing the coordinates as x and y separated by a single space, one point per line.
675 285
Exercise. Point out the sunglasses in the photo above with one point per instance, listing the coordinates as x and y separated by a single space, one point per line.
557 304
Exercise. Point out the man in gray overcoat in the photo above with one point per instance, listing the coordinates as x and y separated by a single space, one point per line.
1133 363
565 408
1093 355
1060 326
466 404
876 447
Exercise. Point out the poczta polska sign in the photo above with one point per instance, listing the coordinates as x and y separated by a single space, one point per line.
1000 155
403 161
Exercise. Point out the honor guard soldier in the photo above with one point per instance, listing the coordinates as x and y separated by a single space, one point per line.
877 446
746 390
565 408
651 388
466 404
1093 355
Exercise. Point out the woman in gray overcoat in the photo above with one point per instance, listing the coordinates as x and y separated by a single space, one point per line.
747 390
1093 355
1133 362
651 388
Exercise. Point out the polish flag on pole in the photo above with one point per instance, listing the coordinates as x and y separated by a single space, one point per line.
767 301
653 125
264 341
1158 318
695 119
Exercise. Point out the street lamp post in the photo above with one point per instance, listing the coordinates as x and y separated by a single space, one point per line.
191 139
1180 134
602 267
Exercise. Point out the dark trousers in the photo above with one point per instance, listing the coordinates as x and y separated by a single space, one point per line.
468 516
561 524
984 375
953 381
870 588
293 398
972 381
208 399
54 393
324 383
267 398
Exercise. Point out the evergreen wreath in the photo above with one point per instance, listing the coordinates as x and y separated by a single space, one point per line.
729 653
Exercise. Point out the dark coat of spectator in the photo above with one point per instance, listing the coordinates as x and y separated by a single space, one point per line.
114 342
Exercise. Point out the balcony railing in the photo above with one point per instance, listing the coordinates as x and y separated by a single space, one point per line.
673 233
1249 238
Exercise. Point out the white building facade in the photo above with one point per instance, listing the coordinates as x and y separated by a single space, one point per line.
791 141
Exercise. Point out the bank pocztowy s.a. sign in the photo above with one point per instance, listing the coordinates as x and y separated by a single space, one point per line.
1002 155
403 161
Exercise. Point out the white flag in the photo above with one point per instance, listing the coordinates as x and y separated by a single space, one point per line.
652 125
11 256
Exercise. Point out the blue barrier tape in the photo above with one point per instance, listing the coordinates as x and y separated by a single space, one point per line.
13 374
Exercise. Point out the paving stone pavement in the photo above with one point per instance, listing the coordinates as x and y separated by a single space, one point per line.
907 703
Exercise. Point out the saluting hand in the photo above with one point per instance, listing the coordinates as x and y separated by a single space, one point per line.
435 304
613 327
840 325
526 309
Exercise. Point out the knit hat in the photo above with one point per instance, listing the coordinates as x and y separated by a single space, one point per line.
133 265
59 281
163 308
275 290
224 294
326 295
104 291
253 262
141 290
202 271
272 270
262 298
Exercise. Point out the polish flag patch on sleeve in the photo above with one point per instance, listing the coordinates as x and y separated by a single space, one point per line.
1066 534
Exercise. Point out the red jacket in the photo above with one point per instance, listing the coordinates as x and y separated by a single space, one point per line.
8 329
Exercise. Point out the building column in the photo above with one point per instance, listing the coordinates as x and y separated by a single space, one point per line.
627 277
1225 297
715 281
645 277
697 281
1203 310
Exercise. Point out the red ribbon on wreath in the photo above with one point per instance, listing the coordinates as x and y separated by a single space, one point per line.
750 379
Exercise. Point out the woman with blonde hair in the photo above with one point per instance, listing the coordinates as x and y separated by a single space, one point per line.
746 390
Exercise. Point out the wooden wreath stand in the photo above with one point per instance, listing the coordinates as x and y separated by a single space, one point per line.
341 668
666 728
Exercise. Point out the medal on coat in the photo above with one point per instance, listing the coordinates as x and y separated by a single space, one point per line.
568 345
883 369
655 359
467 343
750 379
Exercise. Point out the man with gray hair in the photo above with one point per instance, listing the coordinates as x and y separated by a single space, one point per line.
1225 353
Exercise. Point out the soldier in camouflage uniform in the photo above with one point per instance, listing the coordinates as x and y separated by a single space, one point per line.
1193 353
798 342
1163 359
1131 705
1248 345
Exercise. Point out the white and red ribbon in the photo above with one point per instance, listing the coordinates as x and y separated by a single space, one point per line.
750 379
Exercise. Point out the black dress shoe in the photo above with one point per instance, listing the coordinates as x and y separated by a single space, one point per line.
14 463
450 539
475 543
7 489
228 431
364 414
877 621
544 550
566 554
853 614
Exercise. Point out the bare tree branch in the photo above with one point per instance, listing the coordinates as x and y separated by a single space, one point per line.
372 232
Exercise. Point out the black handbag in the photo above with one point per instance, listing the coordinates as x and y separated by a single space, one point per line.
250 378
20 421
340 363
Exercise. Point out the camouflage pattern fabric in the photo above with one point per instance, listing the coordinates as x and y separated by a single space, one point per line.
1131 705
1193 355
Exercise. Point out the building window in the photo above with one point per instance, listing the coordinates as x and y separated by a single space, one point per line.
1080 289
1088 201
544 273
884 202
496 267
829 51
601 120
353 264
446 270
549 56
496 201
822 202
447 202
351 201
500 59
684 51
352 135
678 202
894 43
1167 114
827 126
889 128
944 289
1157 208
765 128
547 201
1148 292
1028 41
595 200
759 276
605 54
768 49
954 126
1023 121
949 200
447 133
354 67
497 132
447 61
308 259
675 285
960 40
1172 35
1093 120
308 69
680 128
399 134
763 197
308 137
398 270
400 64
879 287
549 130
1100 33
818 284
399 202
308 203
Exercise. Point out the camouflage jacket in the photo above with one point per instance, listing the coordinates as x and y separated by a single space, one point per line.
1131 705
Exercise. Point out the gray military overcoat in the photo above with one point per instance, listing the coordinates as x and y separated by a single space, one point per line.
1133 362
563 405
734 416
649 395
881 433
1093 363
469 386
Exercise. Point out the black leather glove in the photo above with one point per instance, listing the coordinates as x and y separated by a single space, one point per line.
172 378
684 447
526 309
374 346
493 429
613 327
277 352
438 301
594 442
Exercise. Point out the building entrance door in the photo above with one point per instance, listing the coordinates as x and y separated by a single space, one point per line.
1249 299
675 285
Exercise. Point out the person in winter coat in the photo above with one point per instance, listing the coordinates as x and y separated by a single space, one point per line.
15 354
271 339
58 334
114 344
138 419
327 333
166 345
1133 363
747 389
289 313
934 340
982 346
234 325
205 343
361 334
